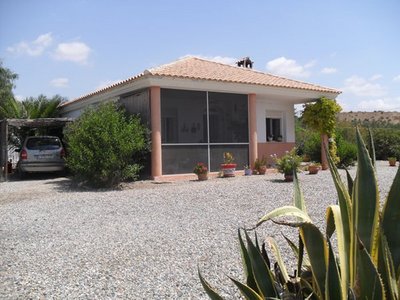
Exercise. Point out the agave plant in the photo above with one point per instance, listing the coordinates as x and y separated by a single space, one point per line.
367 260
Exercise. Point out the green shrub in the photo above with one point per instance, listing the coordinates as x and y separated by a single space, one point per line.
387 143
347 154
105 146
288 163
312 146
346 151
365 263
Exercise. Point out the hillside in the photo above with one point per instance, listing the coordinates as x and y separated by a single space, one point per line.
392 117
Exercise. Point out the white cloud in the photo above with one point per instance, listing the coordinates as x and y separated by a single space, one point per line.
77 52
220 59
396 78
375 77
328 70
363 87
106 83
19 98
345 106
384 104
289 67
34 48
60 82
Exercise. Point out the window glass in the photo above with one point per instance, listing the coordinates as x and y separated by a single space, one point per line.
183 116
273 126
43 143
228 118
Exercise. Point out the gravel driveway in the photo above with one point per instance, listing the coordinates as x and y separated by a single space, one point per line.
143 242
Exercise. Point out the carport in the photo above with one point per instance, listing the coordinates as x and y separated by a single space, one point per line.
9 125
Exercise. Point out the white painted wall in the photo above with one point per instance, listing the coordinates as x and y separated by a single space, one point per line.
268 107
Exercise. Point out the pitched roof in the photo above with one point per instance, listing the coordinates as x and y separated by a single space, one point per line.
196 68
201 69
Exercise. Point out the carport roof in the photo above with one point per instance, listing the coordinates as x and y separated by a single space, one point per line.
42 122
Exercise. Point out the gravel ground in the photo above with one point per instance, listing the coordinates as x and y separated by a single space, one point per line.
142 242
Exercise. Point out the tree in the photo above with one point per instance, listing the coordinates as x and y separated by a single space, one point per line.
105 146
41 107
321 116
9 107
30 108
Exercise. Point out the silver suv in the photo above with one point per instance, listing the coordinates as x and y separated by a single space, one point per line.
41 154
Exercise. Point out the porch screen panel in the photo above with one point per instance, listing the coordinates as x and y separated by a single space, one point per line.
182 158
183 116
240 153
228 118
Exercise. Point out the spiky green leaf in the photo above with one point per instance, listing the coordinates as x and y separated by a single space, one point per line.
298 194
350 182
366 199
334 222
275 249
288 211
345 205
207 287
391 221
262 274
333 285
386 269
298 252
371 147
369 283
317 250
247 265
246 291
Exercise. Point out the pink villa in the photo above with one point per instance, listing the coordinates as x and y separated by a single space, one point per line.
198 109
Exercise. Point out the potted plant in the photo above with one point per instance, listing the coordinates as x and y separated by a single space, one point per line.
247 170
392 161
279 138
288 164
201 171
270 138
228 168
260 165
314 167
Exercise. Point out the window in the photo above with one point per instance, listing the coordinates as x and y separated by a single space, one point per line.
273 129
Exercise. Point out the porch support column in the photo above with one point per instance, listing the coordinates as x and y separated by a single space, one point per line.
253 149
155 111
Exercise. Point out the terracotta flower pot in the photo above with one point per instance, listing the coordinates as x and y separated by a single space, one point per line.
313 169
228 170
392 162
202 176
262 170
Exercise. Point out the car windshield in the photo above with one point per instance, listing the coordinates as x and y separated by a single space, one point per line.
43 143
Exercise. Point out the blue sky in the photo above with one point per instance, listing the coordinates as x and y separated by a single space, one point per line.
74 47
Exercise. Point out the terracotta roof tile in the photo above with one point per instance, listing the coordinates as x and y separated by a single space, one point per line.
197 68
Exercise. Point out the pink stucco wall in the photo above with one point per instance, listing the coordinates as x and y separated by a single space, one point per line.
270 148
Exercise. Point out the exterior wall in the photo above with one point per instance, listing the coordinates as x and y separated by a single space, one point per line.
138 102
270 148
269 107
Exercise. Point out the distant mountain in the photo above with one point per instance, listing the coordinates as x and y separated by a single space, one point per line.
392 117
